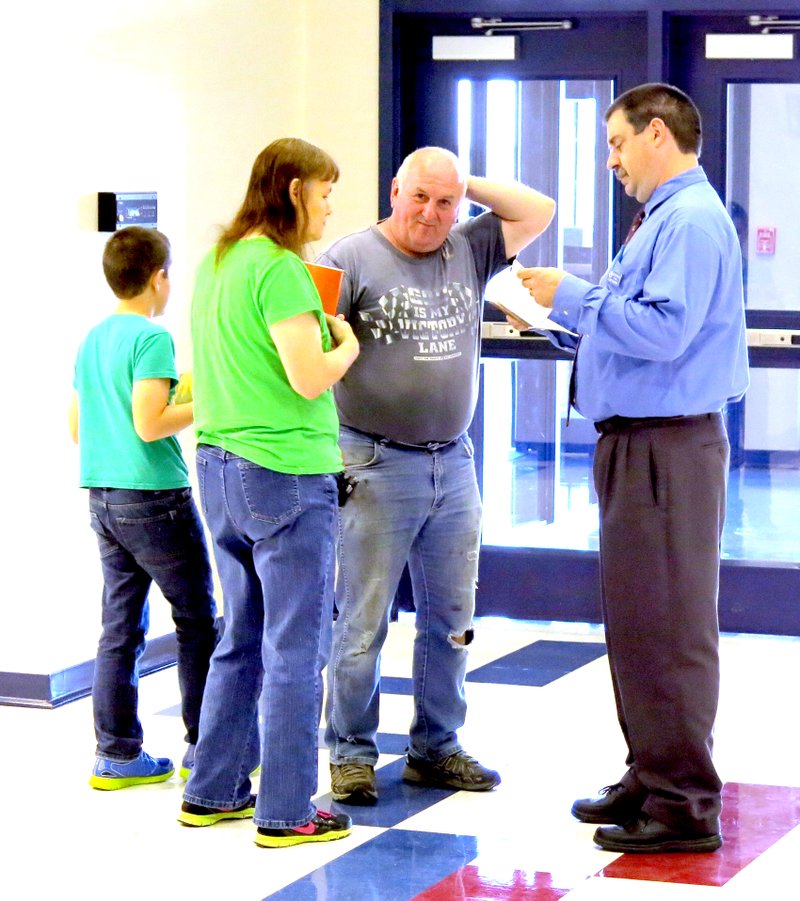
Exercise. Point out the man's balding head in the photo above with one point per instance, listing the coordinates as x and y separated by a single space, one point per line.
426 195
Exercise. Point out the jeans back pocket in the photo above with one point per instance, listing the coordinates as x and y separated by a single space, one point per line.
270 496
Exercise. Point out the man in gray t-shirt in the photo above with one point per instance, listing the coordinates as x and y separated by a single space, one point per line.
418 324
413 293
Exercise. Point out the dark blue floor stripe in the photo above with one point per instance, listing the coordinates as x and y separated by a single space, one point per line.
540 663
394 866
397 801
388 742
391 743
390 685
396 685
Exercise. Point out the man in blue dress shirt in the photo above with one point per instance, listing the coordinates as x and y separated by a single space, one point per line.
662 350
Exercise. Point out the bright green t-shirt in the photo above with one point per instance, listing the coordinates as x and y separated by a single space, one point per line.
121 350
243 401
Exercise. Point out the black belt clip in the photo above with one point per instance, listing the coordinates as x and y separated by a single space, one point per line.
346 485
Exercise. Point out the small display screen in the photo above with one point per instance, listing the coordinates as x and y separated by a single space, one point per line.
119 210
137 209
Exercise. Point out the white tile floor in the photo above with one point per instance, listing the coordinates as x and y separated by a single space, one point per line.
59 838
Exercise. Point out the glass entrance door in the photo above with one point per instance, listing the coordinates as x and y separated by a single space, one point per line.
751 125
539 118
763 127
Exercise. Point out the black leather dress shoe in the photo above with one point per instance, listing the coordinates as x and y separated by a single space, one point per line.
615 804
645 835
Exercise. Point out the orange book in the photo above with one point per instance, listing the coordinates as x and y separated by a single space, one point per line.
329 282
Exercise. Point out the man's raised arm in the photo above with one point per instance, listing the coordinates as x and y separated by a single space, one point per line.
525 212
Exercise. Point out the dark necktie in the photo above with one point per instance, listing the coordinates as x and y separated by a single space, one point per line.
573 375
637 221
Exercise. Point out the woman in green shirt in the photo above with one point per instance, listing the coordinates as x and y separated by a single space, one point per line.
265 358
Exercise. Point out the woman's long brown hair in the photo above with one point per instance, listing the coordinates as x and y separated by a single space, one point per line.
267 208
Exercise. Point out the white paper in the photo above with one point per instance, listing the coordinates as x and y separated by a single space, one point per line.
507 292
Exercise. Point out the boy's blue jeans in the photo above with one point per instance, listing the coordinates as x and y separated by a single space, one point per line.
274 540
145 537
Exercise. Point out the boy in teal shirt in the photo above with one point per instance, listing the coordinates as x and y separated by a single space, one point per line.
141 507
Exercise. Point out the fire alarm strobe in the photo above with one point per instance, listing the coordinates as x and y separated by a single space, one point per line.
765 239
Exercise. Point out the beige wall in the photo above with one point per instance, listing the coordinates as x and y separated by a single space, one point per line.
176 96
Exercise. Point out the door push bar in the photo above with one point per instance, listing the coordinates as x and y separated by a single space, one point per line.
756 337
493 25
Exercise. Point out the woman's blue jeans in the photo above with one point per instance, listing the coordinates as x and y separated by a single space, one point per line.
146 537
274 543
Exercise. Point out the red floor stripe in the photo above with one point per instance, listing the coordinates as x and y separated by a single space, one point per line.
469 884
754 817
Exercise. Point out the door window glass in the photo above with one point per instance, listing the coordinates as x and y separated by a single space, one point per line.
547 133
763 185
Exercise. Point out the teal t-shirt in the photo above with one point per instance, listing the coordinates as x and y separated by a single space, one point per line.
243 401
121 350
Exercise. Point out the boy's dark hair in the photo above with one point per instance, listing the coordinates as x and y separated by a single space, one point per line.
646 102
267 207
131 257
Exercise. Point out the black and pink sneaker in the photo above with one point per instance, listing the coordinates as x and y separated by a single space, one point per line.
325 827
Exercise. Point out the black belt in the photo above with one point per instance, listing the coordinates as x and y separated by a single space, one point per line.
430 446
620 423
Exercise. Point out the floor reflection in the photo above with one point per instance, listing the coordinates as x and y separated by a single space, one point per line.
533 500
537 477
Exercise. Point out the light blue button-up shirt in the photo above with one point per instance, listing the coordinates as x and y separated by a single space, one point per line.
663 334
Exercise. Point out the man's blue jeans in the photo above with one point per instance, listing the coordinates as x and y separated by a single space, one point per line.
274 540
146 537
422 507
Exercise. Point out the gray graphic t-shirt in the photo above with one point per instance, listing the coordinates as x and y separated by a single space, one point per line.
418 322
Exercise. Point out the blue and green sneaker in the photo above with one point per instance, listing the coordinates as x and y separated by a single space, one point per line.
109 775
